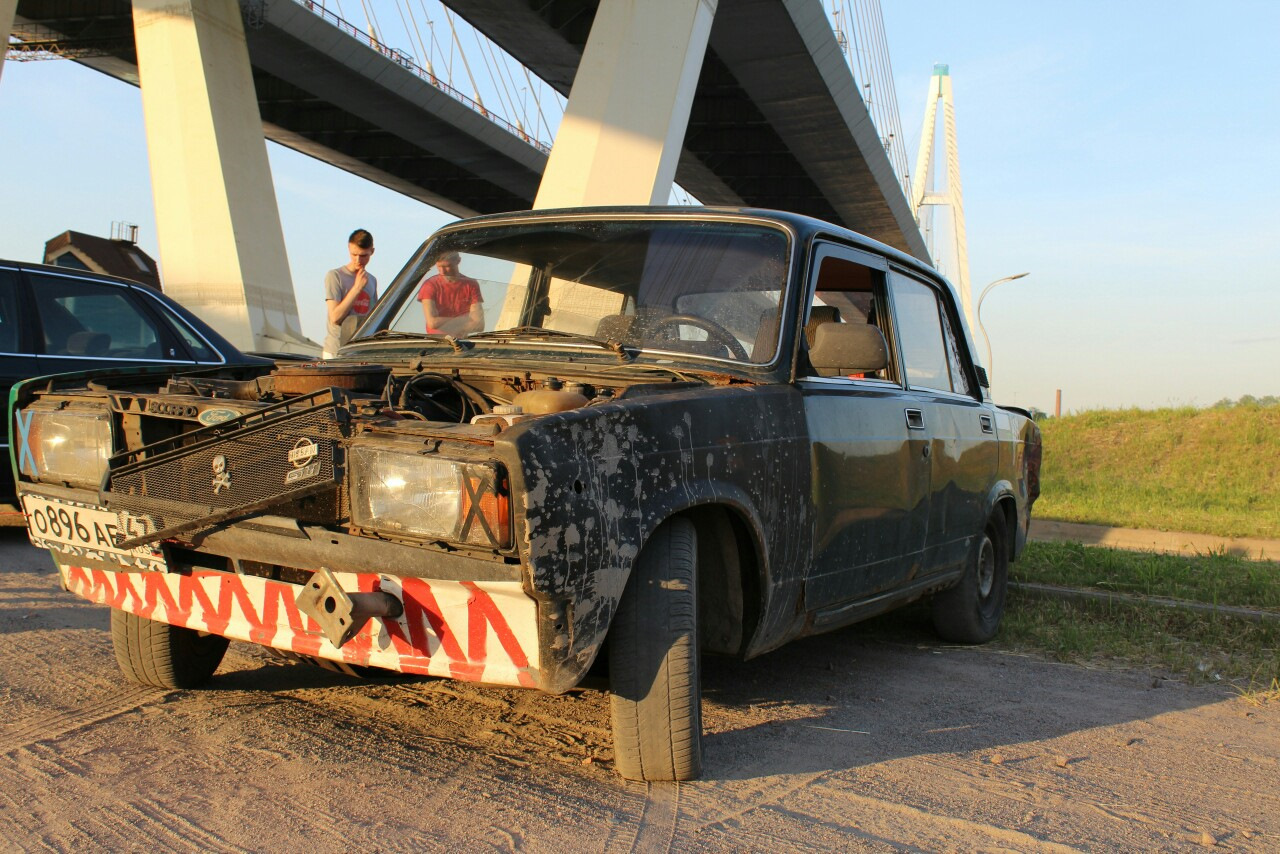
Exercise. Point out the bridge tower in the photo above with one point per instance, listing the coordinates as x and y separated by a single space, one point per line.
221 241
620 138
925 197
8 8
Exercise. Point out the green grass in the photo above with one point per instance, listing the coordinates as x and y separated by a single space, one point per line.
1185 645
1214 578
1190 645
1211 471
1260 696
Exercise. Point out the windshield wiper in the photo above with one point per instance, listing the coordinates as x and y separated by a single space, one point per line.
385 334
536 332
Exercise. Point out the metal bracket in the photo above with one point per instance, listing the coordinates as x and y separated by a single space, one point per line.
342 615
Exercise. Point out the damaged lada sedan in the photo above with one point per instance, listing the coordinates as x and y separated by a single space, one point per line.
668 432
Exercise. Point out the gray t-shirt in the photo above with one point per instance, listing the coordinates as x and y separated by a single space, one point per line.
336 285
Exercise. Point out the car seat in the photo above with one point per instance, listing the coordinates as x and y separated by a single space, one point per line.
88 343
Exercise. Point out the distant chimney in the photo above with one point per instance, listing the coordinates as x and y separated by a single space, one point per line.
125 231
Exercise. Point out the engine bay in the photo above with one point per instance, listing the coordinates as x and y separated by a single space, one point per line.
410 391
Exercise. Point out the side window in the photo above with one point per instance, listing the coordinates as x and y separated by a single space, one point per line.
924 353
82 318
955 361
10 339
201 351
847 291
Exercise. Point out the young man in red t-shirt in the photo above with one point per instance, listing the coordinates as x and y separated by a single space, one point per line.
451 302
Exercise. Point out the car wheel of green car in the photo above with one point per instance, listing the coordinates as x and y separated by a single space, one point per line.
162 655
970 612
653 662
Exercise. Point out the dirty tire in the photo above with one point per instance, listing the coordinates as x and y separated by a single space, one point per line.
653 662
162 655
970 612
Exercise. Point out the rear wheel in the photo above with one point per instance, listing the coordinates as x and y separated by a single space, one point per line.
970 612
162 655
653 662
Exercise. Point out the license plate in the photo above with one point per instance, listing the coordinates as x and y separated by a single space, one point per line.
83 531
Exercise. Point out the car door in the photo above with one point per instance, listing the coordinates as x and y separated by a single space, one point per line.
870 476
16 360
85 324
940 377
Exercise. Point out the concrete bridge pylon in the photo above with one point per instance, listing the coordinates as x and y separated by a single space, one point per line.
8 8
628 109
221 242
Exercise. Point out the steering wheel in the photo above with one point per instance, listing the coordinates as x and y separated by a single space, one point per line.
715 332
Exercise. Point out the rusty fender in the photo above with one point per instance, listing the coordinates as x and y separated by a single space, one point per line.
590 485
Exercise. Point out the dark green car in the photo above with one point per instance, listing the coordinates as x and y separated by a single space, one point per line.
679 431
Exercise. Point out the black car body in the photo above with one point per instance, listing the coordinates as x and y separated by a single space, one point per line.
56 320
685 430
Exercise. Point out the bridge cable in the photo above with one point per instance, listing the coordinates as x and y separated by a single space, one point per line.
497 69
537 102
413 31
463 56
371 20
438 49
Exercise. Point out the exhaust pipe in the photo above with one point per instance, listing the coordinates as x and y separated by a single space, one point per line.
341 615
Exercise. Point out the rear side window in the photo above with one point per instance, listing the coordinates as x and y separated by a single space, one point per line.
960 382
924 354
81 318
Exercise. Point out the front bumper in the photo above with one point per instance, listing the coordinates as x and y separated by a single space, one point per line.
477 631
463 617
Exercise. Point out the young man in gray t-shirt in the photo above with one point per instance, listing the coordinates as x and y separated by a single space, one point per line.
349 292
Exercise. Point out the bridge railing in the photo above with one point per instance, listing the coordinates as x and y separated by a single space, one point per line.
407 62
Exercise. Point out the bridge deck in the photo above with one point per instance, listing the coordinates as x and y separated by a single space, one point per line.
776 121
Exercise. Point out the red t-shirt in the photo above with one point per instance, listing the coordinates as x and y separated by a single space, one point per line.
452 298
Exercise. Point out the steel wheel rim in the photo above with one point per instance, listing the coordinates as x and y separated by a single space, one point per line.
986 568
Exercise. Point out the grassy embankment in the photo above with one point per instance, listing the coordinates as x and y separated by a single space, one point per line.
1210 471
1214 471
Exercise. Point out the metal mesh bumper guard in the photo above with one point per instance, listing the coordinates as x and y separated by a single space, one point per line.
228 470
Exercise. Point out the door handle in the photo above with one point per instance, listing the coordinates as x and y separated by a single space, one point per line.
985 421
915 419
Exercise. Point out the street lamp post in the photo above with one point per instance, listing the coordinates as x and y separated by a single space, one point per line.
978 313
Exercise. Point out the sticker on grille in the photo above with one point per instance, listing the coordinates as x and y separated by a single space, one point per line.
228 470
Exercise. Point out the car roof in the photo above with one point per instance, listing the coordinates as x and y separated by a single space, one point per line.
804 226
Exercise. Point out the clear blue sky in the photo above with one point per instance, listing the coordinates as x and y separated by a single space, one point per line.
1125 154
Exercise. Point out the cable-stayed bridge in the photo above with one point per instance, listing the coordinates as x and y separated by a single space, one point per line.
777 117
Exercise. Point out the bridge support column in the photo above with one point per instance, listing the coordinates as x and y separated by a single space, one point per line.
628 109
8 8
221 243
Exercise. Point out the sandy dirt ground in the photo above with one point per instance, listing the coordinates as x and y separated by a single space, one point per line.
872 738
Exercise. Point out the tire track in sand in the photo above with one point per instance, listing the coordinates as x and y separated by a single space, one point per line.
143 824
60 724
656 807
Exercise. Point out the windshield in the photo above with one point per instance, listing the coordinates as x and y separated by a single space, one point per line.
704 288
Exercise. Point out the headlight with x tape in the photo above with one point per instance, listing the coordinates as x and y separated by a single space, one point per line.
399 491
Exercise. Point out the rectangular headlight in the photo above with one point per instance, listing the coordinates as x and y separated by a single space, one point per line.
408 493
64 446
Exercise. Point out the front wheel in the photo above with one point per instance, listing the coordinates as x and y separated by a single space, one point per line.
653 662
161 655
970 612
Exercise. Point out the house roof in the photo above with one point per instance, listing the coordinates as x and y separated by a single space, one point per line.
103 255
